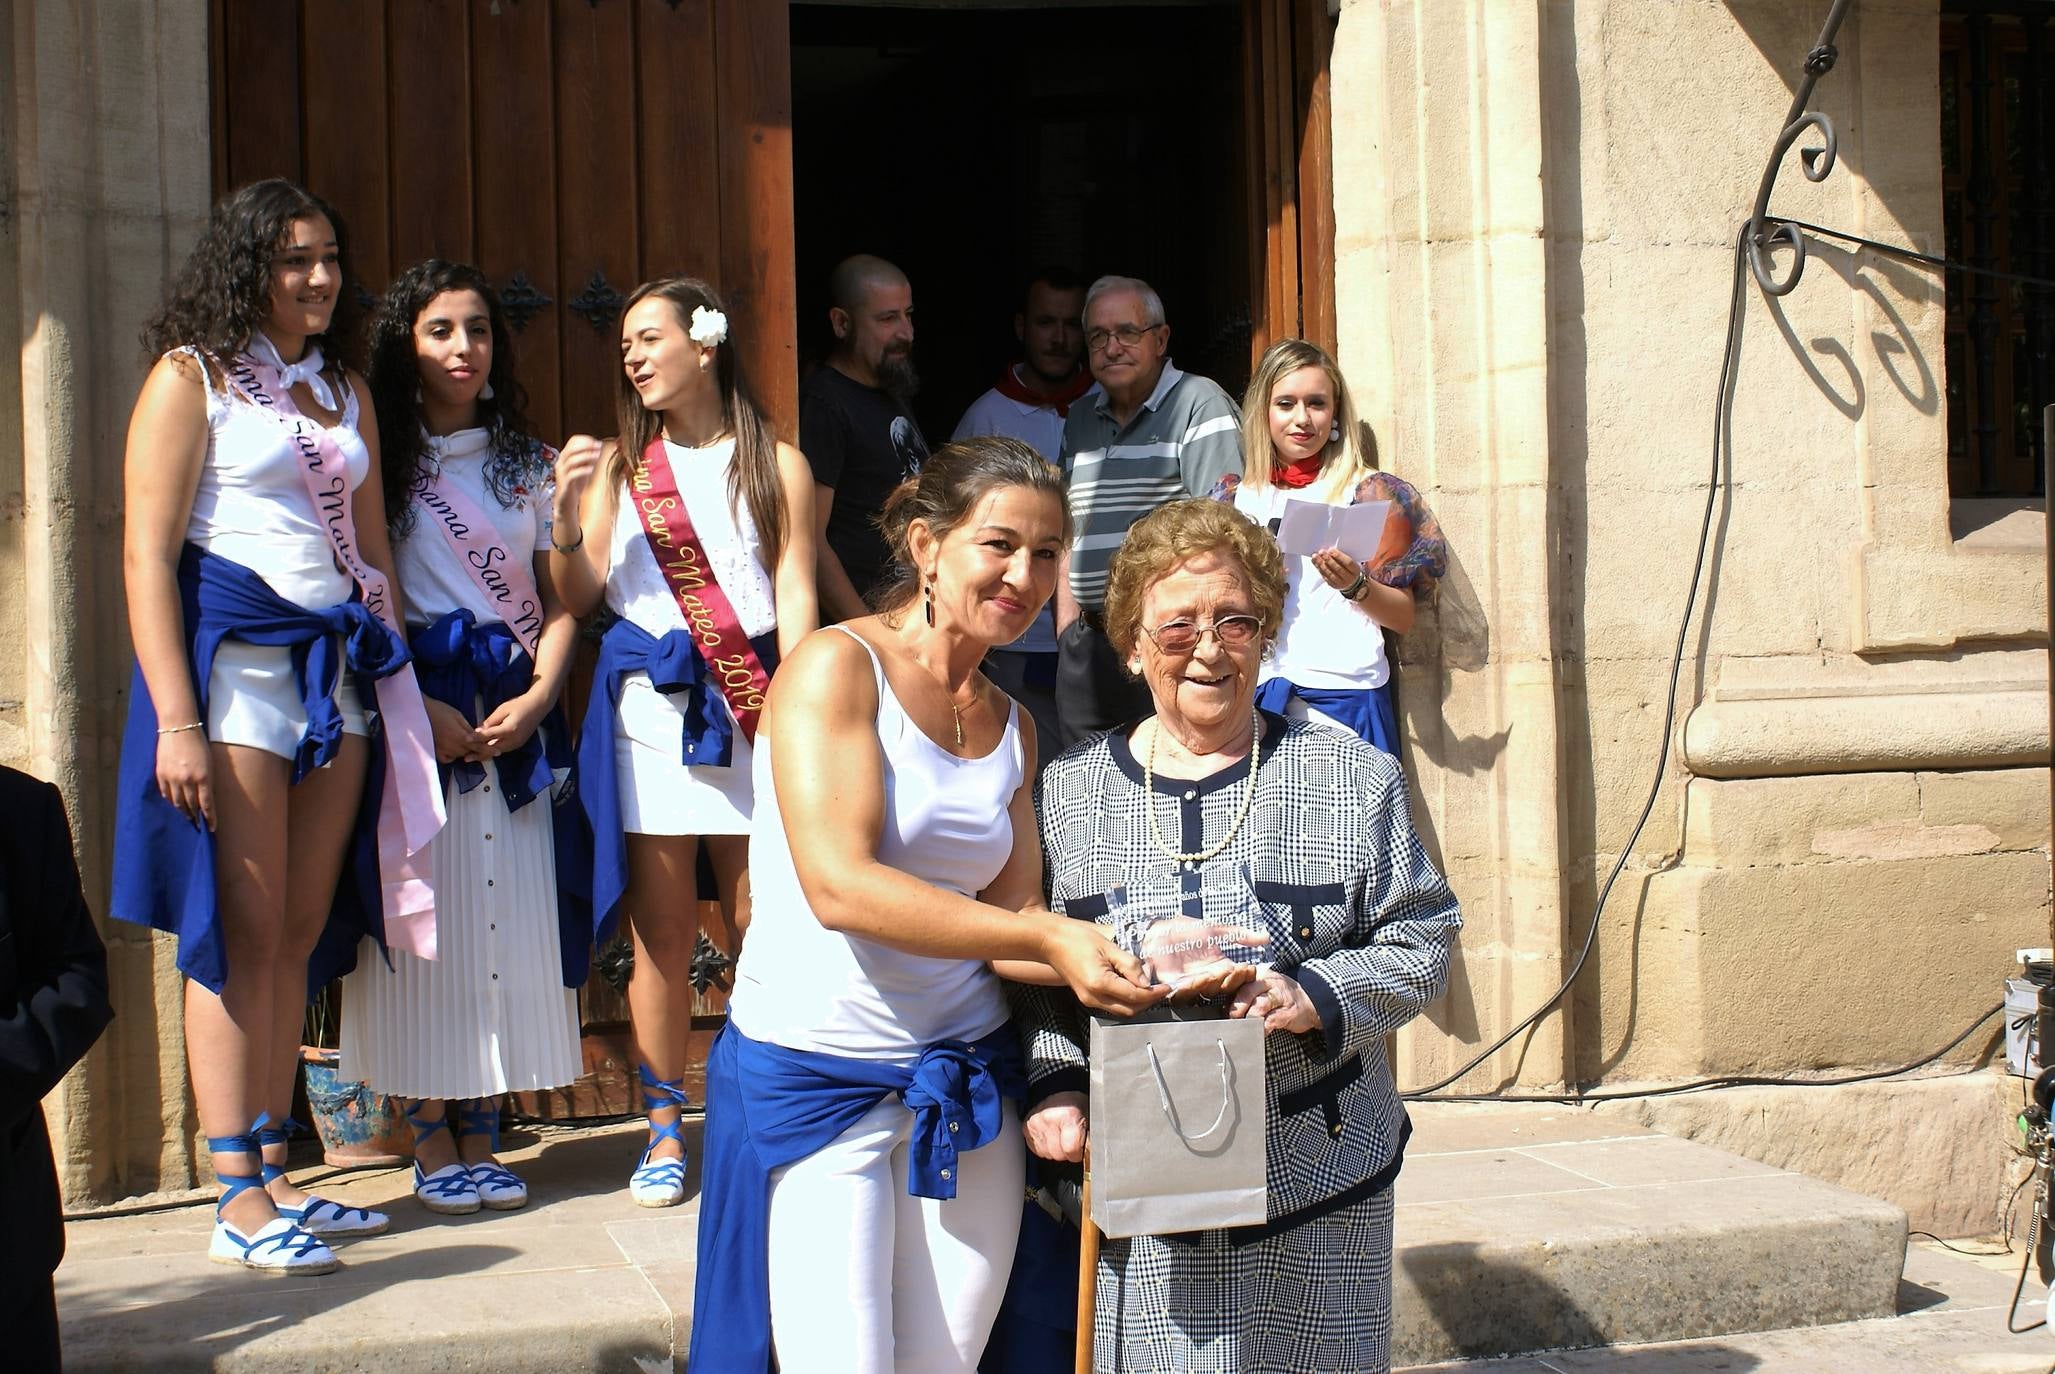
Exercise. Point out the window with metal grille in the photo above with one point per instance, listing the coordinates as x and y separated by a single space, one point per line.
1998 194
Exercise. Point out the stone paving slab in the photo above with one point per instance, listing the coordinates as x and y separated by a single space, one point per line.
580 1279
1524 1230
1519 1229
1952 1321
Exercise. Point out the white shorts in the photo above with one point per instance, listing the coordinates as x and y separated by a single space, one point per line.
253 700
660 793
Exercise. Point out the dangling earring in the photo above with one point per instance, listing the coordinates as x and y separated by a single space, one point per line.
1333 433
928 596
486 394
417 393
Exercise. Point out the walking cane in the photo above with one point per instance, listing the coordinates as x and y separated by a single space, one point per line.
1087 1271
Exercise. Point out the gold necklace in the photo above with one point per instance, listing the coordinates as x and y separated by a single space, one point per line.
1248 793
958 717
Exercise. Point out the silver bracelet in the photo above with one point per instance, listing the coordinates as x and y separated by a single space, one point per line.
567 549
181 729
1354 591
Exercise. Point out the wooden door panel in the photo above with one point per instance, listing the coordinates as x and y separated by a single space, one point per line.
257 128
758 275
679 209
344 133
596 185
430 99
514 165
1289 171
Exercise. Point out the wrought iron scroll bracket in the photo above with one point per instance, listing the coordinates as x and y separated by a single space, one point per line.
1765 233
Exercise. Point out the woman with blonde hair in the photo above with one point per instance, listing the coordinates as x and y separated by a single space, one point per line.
1302 442
700 538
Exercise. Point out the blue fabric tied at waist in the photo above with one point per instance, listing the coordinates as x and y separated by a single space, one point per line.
675 667
163 862
768 1106
461 662
1366 711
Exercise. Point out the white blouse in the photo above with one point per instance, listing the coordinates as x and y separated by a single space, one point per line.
251 505
1327 642
636 590
431 572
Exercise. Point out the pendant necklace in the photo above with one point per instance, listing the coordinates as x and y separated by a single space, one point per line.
1248 793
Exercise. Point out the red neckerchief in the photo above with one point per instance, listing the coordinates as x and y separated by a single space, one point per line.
1298 473
1014 389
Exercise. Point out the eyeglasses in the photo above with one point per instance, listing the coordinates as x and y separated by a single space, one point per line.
1128 334
1183 636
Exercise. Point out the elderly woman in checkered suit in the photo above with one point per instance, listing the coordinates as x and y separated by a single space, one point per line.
1209 792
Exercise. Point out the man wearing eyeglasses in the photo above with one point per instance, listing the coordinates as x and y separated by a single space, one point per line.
1152 435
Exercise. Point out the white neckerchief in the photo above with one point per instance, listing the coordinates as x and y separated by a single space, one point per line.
307 369
461 444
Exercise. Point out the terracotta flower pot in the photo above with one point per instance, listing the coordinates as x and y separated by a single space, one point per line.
357 1126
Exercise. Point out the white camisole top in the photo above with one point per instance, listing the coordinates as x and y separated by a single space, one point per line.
805 987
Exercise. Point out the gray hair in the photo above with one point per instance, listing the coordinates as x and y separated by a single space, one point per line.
1152 304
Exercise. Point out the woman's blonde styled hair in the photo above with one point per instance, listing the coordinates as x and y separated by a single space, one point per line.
1345 463
1171 535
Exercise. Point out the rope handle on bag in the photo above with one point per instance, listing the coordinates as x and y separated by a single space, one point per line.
1163 1096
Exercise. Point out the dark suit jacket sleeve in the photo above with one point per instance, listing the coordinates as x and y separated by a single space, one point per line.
53 968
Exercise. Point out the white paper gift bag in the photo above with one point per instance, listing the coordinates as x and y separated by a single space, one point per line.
1177 1123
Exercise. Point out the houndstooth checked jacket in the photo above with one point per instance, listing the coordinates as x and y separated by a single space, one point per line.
1356 913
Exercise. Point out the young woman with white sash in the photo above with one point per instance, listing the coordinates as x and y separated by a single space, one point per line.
700 537
266 630
467 484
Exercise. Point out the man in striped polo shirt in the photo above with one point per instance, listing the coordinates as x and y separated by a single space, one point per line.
1152 435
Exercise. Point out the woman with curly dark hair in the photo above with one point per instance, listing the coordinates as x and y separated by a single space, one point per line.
467 485
266 628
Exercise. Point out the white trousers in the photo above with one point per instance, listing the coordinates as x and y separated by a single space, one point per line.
922 1277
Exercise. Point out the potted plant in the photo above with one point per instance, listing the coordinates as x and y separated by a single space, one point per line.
357 1127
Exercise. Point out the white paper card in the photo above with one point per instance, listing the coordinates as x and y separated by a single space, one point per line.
1307 527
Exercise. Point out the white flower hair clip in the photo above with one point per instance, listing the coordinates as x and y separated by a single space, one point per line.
709 327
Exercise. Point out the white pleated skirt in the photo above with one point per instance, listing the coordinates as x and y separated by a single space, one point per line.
491 1013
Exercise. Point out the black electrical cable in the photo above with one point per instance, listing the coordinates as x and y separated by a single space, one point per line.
1721 407
1913 255
1724 1081
1722 411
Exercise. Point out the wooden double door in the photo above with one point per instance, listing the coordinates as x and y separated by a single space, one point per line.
574 148
571 150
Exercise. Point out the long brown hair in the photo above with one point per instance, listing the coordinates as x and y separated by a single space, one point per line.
753 476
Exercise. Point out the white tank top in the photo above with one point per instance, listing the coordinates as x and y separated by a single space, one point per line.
636 590
431 571
806 987
251 504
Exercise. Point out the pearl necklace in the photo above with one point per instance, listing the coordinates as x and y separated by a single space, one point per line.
1248 793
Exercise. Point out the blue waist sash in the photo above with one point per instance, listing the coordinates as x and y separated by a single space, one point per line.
164 863
477 668
1366 710
461 663
768 1107
675 668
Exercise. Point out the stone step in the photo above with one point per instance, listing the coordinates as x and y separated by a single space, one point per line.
1523 1228
1518 1229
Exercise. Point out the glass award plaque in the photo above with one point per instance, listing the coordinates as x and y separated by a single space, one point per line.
1189 926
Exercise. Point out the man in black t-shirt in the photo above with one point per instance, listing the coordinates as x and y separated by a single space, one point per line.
856 430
